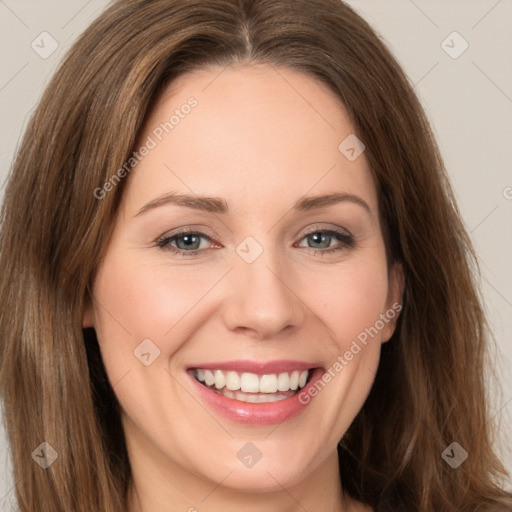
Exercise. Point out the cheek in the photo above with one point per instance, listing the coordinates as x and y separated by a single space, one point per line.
139 299
350 303
351 298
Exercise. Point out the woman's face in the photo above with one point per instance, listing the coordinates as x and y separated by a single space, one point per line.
258 290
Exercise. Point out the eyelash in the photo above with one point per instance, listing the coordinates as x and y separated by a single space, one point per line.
347 241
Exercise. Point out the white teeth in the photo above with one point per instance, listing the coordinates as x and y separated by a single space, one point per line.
220 379
283 382
255 399
228 393
252 383
268 383
208 377
232 381
294 380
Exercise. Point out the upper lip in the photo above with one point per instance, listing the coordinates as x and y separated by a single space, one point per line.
257 367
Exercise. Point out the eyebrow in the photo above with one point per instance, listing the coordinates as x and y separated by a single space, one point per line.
219 205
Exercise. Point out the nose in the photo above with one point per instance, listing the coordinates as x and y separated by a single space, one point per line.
260 299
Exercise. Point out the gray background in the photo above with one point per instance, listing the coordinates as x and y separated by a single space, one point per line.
467 96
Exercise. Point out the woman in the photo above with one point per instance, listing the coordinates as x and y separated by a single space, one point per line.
164 346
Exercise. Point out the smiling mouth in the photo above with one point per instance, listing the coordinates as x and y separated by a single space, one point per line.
251 387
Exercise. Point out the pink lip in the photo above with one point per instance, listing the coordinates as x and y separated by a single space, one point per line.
260 368
247 413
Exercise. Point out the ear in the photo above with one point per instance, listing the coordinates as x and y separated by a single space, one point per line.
394 302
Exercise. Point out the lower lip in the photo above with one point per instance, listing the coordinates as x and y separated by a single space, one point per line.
247 413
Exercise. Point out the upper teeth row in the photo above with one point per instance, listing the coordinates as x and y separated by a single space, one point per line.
252 383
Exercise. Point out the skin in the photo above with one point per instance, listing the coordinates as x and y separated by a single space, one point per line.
261 138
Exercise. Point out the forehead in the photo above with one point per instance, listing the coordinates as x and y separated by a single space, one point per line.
248 133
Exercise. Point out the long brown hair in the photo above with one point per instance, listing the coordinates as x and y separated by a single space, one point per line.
429 389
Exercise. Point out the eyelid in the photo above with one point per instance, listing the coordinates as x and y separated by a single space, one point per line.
325 227
202 230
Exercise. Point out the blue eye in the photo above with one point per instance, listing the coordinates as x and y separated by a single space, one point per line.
325 237
188 243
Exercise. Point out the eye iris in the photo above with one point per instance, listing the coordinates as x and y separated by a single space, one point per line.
189 241
318 237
